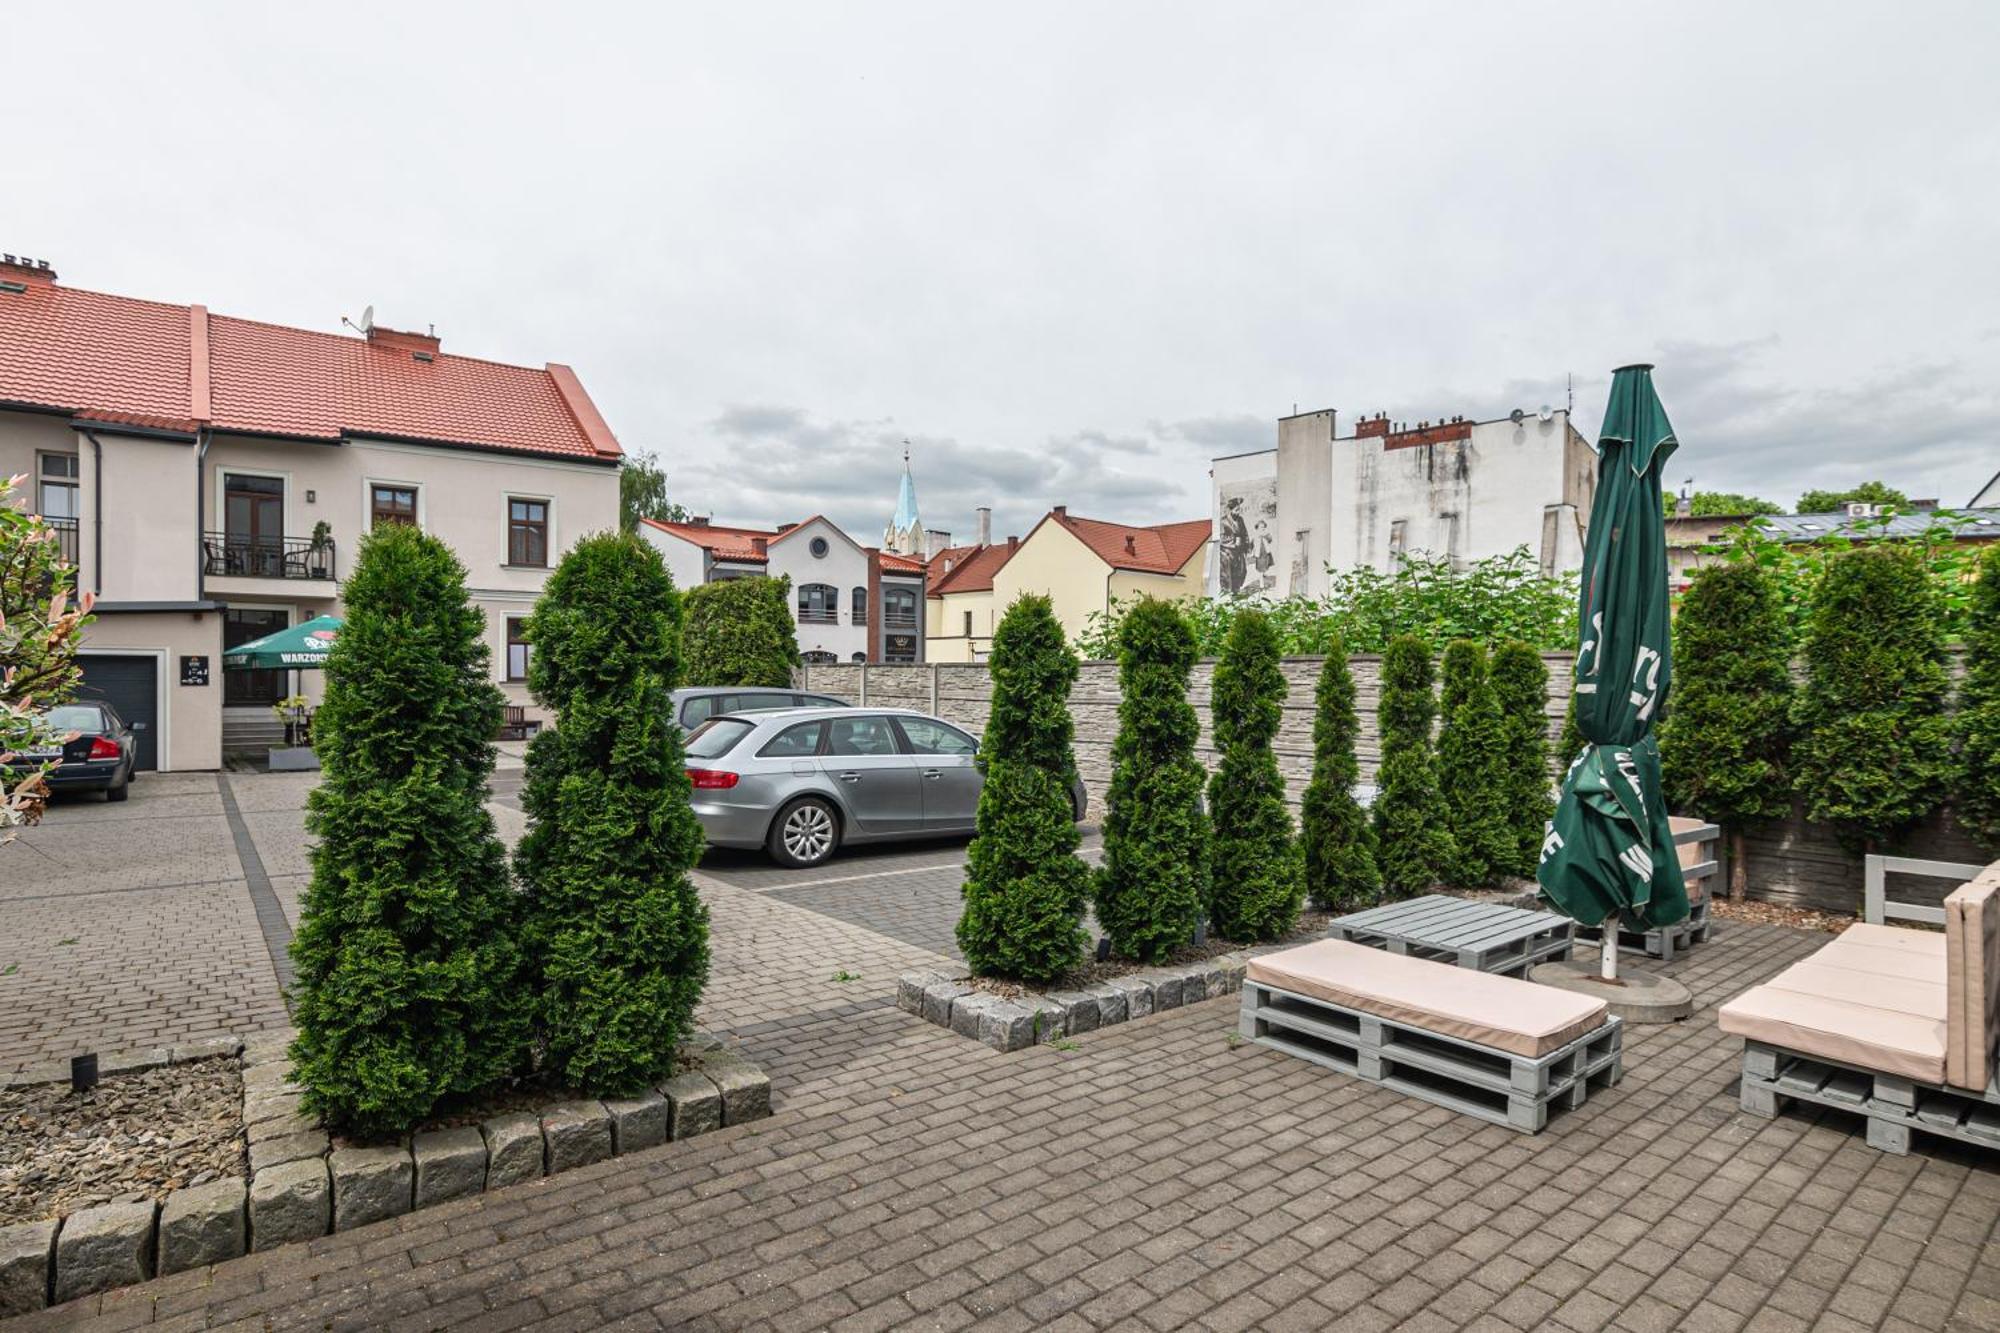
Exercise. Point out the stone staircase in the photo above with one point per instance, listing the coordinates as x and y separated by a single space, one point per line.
248 731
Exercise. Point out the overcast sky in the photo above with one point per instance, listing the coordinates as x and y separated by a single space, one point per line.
1071 252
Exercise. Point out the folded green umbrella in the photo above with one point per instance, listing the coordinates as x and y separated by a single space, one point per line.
301 646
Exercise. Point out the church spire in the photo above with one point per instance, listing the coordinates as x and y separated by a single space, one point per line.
905 533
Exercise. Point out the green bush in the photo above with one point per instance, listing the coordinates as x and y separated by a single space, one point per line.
1521 689
406 953
1025 888
1472 770
1724 740
739 632
1339 843
1413 844
1154 880
1258 879
1979 709
617 934
1873 748
1570 740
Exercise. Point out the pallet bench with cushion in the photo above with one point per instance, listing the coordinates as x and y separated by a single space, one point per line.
1696 844
1495 1047
1893 1024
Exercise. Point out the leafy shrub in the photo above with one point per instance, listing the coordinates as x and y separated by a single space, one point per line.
1339 843
617 934
1873 754
39 629
1154 880
406 952
1979 709
739 632
1413 845
1025 888
1258 880
1471 772
1724 743
1521 689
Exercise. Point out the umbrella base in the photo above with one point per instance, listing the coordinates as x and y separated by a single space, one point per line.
1636 997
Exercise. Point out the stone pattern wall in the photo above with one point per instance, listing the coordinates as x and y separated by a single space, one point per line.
1791 861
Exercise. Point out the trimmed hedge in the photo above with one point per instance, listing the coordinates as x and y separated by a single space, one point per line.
1025 887
408 965
1154 880
1413 844
739 632
1979 709
617 935
1258 879
1338 841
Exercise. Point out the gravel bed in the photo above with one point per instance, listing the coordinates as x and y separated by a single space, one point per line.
132 1137
1777 914
1310 926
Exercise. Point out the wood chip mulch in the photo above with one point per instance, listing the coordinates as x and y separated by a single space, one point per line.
132 1137
1311 925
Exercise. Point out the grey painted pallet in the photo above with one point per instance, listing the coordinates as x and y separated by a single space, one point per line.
1484 936
1894 1107
1664 942
1504 1088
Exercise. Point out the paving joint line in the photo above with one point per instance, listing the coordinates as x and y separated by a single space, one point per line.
270 915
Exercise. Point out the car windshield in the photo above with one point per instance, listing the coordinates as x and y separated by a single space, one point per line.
76 717
716 737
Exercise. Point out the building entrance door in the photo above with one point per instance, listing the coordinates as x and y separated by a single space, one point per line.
241 624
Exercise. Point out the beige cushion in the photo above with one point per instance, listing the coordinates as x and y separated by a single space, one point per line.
1874 997
1504 1013
1692 853
1972 934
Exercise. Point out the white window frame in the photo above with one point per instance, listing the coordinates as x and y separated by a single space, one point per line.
75 483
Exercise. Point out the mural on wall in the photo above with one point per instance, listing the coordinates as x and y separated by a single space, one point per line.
1246 543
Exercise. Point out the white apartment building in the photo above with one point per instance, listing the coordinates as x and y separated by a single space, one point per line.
1464 489
212 477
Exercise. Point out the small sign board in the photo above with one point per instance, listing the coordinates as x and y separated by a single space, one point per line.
194 669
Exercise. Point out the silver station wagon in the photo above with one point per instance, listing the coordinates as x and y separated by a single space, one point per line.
804 782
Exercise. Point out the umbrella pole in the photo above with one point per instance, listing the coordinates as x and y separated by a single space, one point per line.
1608 969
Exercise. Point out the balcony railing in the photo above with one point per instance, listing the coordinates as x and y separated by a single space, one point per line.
65 530
891 620
813 615
235 553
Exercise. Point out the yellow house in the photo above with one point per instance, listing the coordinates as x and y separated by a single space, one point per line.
1083 565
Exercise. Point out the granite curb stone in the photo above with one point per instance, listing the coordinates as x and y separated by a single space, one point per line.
450 1164
637 1122
370 1184
203 1224
99 1248
578 1133
694 1106
290 1202
27 1254
1012 1024
745 1089
514 1151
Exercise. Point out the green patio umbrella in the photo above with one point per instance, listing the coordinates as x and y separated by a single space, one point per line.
1609 851
303 646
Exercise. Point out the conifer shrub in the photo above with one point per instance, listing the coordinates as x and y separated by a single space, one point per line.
1258 878
1339 843
1570 740
616 934
1521 689
1025 887
739 632
1413 844
1724 741
1871 747
1471 769
1979 709
407 958
1154 881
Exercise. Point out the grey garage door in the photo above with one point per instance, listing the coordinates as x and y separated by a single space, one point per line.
130 685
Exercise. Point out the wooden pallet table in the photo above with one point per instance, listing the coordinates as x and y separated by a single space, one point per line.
1893 1107
1699 868
1507 1089
1484 936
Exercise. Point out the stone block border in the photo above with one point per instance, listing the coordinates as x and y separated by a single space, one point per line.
1014 1023
301 1186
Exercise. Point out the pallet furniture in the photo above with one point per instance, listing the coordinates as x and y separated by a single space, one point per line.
1483 936
1696 843
1499 1048
1896 1025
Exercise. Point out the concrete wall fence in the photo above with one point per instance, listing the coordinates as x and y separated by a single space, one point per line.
1791 861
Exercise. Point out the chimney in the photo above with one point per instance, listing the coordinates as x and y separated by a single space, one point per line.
698 520
1377 425
985 513
425 344
1061 511
1131 544
935 540
20 272
1013 543
757 544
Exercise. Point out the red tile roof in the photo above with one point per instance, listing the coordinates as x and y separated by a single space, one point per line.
901 564
117 358
1160 549
723 543
972 568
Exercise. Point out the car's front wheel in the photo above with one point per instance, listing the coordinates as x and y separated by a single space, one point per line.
805 833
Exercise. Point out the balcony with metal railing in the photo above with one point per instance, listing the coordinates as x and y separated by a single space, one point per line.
818 615
241 555
66 538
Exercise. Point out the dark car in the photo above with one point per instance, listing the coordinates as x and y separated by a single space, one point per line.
695 705
101 753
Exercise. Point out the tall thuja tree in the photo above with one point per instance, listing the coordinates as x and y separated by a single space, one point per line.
1258 879
406 952
1471 768
1872 747
1413 845
1339 844
1521 689
1025 887
1724 741
1979 709
1154 880
740 632
616 934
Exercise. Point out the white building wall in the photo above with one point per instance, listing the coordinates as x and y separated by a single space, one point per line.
684 560
844 566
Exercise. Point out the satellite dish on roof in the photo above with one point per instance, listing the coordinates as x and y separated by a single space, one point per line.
1547 413
368 319
1516 416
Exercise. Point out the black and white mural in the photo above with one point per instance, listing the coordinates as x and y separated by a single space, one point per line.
1246 538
